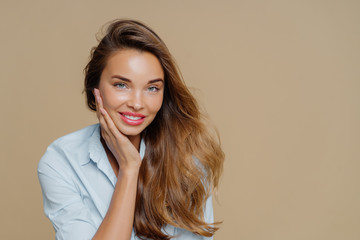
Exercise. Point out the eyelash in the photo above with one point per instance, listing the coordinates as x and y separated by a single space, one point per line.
123 85
156 89
120 85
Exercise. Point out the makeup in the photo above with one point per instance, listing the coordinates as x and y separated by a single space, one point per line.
132 118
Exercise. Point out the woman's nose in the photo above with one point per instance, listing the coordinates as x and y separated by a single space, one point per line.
136 101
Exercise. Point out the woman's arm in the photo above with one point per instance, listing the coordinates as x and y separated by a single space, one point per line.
118 222
63 203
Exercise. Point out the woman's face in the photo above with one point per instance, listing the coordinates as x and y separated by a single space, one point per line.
132 88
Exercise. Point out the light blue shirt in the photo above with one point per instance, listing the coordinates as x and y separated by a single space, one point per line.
78 182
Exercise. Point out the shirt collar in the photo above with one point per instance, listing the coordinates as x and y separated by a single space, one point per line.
97 151
142 148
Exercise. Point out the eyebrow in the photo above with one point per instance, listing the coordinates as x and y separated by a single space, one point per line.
128 80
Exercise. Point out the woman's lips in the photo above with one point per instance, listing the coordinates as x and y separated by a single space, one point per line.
132 118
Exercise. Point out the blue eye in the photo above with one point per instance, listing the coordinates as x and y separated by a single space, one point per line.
153 89
120 85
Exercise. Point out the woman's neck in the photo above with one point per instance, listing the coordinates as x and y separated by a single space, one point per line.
135 140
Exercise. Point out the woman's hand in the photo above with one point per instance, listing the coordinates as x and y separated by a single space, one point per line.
124 151
118 222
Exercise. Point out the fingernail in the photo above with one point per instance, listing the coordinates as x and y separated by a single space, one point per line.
102 111
96 94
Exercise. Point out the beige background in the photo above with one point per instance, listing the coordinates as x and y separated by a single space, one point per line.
279 78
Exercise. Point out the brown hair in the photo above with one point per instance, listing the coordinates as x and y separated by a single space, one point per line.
183 161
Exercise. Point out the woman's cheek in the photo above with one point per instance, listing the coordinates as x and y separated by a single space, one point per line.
114 99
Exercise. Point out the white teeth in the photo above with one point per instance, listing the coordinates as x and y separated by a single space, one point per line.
132 117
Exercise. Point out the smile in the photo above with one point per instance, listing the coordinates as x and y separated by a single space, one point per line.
132 118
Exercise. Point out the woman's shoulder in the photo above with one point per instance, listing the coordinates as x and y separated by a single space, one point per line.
72 146
78 137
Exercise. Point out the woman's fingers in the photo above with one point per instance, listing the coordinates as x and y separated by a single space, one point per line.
96 93
99 114
111 125
126 154
105 118
99 103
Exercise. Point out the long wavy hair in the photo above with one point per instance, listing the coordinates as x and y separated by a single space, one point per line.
183 159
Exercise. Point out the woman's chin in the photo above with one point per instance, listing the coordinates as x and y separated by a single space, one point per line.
130 133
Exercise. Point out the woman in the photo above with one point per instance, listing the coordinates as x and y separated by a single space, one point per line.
147 170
